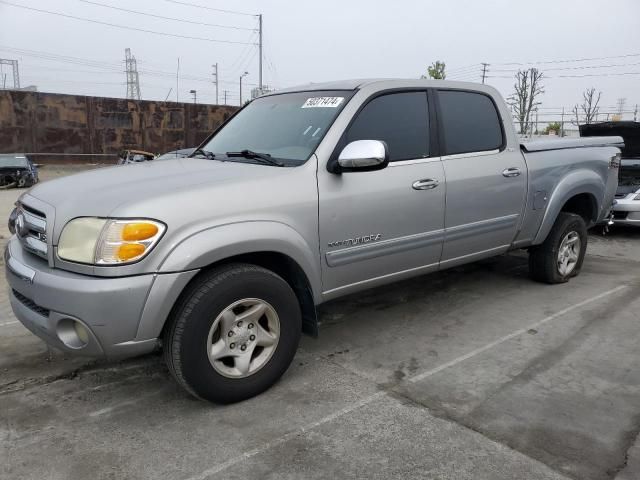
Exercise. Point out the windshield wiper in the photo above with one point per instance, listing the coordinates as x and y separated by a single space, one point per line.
205 153
264 157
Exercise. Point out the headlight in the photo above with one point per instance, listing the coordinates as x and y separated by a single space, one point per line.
101 241
637 197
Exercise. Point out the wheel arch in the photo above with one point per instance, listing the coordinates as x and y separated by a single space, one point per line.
576 193
271 245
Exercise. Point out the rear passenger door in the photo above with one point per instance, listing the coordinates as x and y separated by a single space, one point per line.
380 225
486 182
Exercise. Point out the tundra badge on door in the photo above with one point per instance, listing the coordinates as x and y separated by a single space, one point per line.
351 242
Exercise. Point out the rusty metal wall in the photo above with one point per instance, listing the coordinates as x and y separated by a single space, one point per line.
72 124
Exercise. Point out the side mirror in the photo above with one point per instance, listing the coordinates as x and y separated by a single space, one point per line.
364 155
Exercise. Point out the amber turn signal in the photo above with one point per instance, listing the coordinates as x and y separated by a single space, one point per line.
127 251
138 231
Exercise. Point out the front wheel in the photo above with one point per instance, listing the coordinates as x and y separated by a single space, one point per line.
233 333
561 255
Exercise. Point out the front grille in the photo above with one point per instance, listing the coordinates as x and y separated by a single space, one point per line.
33 234
30 304
620 215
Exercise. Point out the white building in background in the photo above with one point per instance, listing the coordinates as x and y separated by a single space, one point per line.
256 92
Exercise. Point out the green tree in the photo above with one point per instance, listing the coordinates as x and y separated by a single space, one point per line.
436 70
555 126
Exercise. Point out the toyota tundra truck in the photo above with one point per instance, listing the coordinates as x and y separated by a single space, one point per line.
303 196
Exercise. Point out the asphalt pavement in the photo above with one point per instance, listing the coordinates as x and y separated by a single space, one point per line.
472 373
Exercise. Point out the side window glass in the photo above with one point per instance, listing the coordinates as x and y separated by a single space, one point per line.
470 122
399 119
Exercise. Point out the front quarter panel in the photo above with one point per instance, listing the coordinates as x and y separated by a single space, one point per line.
218 243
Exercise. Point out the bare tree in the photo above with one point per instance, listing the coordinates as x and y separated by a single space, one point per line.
589 107
528 88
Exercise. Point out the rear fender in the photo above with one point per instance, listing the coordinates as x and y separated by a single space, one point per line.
575 183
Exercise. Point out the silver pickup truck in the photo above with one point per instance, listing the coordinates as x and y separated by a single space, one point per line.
303 196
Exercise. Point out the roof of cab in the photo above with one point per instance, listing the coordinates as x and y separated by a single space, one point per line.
356 84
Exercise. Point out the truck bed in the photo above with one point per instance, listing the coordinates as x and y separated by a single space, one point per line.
563 143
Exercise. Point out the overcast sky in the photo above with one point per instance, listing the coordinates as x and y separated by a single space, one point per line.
316 41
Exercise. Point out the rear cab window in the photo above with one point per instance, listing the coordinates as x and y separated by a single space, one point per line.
470 122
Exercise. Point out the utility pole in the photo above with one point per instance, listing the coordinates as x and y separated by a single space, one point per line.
178 82
562 123
635 114
241 77
484 71
133 80
194 93
259 54
225 96
621 102
215 74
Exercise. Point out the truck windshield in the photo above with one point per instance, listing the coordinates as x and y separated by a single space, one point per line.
288 126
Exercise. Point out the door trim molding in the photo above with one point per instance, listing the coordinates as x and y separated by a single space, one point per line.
375 280
470 154
401 163
369 251
483 226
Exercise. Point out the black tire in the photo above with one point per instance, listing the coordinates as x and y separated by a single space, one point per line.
185 340
543 259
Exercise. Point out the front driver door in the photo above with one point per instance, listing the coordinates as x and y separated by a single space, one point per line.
381 225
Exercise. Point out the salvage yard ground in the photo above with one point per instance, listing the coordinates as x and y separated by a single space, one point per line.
473 373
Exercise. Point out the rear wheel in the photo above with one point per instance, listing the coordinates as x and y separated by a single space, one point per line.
561 255
233 333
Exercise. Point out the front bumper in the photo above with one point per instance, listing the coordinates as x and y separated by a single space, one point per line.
123 316
626 212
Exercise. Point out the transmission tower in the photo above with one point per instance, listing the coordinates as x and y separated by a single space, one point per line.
16 74
133 81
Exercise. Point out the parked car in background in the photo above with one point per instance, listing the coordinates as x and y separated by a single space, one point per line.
126 157
185 152
17 170
626 211
304 196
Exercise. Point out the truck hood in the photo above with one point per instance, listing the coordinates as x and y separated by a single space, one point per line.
102 191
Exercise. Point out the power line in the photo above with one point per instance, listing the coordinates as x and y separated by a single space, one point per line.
137 12
581 67
99 22
108 67
570 60
459 69
576 76
235 12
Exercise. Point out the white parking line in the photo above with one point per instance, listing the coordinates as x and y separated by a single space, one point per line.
9 323
416 378
106 410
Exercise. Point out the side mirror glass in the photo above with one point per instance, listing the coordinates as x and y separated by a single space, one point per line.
364 155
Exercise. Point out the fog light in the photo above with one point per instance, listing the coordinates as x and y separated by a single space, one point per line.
72 333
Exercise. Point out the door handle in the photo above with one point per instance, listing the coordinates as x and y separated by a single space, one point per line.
511 172
425 184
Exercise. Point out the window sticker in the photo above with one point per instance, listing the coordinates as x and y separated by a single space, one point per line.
323 102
